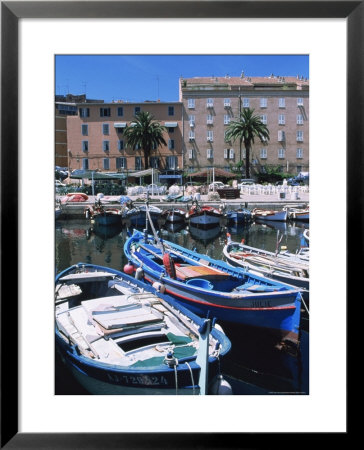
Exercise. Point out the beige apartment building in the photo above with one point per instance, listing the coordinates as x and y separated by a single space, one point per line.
211 103
95 137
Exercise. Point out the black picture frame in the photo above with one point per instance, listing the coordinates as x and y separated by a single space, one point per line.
11 12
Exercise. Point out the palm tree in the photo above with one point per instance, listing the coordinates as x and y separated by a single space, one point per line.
145 133
248 126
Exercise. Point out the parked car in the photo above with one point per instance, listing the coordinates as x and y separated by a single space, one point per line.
217 185
246 181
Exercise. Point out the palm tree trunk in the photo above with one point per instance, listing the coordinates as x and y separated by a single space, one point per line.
146 158
247 159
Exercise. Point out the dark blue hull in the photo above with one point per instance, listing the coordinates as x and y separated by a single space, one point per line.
234 295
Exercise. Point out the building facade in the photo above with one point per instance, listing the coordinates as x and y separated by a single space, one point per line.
95 137
211 103
65 105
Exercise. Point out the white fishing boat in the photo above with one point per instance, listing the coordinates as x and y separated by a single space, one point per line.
272 215
286 269
119 336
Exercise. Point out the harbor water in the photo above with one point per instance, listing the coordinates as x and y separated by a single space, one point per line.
256 365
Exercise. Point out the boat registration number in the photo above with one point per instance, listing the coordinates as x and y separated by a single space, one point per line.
144 380
260 304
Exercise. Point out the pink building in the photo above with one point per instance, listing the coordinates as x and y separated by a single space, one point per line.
211 103
95 137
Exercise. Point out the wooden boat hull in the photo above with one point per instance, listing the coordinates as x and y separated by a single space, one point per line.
137 216
239 216
205 218
275 216
107 218
269 266
174 215
272 305
151 378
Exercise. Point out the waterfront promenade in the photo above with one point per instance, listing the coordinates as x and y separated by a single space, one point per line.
246 200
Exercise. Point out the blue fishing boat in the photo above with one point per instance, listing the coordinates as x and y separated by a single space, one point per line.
102 215
137 216
238 216
209 286
119 336
174 215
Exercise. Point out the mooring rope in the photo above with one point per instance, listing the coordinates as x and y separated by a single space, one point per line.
193 382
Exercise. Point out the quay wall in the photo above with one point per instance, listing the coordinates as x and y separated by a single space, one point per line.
77 210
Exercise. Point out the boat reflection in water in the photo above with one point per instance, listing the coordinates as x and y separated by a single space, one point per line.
205 236
174 227
256 365
107 231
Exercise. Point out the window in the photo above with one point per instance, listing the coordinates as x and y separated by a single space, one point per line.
225 136
226 119
105 112
136 110
171 162
229 153
105 129
121 162
263 153
85 146
299 153
299 136
154 162
171 110
84 112
281 153
170 144
281 119
210 103
170 129
191 103
85 163
120 111
210 135
281 136
246 102
84 130
105 146
210 153
299 119
263 102
300 102
227 103
191 135
106 163
138 163
282 103
263 119
299 169
192 121
191 153
120 145
210 119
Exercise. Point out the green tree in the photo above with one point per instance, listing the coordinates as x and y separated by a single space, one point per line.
145 133
246 128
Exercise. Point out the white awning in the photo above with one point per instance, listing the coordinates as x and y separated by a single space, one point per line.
170 124
143 173
120 125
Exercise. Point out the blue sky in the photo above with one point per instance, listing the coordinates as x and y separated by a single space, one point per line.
137 78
